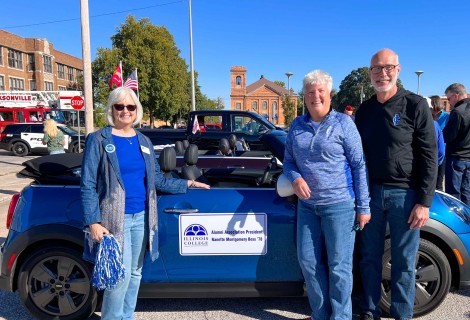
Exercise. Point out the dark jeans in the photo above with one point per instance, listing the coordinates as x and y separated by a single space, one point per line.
458 179
440 175
393 206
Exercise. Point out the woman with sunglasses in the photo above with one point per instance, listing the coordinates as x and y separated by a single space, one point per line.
120 177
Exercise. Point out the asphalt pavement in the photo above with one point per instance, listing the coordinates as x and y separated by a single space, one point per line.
455 307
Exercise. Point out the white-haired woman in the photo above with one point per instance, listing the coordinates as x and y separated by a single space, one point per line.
53 137
120 176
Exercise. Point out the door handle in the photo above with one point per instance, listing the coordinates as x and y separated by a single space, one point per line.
181 211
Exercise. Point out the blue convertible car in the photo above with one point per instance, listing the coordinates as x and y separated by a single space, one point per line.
235 240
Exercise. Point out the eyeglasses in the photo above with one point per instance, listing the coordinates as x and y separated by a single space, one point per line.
387 68
120 107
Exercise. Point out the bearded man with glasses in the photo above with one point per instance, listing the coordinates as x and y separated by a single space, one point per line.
399 142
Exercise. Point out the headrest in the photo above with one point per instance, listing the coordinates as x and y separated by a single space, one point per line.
167 159
191 154
224 147
185 144
232 141
284 186
179 147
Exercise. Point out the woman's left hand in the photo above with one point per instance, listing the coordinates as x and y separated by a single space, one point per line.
363 219
196 184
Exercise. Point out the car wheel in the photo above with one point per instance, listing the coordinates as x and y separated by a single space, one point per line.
20 149
75 148
433 278
54 283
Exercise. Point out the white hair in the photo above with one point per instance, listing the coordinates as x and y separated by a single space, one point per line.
116 96
317 77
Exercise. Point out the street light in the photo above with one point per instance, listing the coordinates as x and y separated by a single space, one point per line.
288 74
419 73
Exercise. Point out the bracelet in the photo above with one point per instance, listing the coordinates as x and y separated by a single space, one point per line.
192 183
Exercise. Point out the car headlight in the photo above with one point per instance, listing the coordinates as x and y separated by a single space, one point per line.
457 207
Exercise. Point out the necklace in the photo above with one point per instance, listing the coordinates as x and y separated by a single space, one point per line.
128 139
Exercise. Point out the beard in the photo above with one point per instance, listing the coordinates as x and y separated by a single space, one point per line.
390 85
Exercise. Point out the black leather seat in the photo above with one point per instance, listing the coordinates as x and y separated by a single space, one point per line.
179 147
190 171
224 147
185 144
167 162
232 141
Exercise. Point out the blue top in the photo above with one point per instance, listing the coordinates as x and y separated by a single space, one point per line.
441 147
132 172
330 159
443 119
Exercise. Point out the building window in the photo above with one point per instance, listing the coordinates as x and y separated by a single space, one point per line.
274 106
2 83
70 74
1 56
238 106
238 81
31 64
62 88
255 105
15 59
60 71
265 105
47 64
48 86
32 85
16 84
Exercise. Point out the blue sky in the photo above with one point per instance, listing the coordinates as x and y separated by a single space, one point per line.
272 37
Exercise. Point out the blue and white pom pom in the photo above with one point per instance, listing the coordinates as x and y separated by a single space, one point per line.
109 269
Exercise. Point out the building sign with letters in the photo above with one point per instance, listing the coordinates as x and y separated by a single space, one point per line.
222 234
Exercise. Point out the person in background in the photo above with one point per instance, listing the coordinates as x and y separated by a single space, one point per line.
120 177
349 111
440 118
53 137
400 147
457 139
325 163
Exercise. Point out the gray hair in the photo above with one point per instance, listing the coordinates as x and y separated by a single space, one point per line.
390 51
116 96
457 88
317 77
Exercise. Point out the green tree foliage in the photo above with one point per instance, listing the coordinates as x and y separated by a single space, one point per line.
288 107
164 80
280 83
350 89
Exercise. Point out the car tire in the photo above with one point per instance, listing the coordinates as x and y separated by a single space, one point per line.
433 278
76 150
48 294
20 149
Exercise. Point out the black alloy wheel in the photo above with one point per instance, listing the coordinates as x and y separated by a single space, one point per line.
54 283
20 149
433 278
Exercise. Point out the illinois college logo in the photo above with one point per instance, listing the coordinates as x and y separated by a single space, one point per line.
396 119
195 235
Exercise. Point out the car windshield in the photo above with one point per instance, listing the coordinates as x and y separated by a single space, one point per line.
68 130
266 123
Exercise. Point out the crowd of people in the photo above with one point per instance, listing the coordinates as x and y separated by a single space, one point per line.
364 171
351 173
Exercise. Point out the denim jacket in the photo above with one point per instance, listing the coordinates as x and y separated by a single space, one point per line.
102 189
330 159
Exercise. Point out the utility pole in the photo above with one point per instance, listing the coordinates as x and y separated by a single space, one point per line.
193 90
86 57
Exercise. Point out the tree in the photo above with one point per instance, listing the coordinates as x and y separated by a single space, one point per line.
163 75
289 110
351 87
280 83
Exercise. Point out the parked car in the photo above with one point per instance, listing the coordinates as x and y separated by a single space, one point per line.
25 138
235 240
205 128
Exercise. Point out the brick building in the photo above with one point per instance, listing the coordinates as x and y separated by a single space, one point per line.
263 96
33 64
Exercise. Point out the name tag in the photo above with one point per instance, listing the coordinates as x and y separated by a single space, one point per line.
145 149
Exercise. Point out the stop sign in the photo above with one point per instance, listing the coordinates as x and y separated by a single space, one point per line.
77 102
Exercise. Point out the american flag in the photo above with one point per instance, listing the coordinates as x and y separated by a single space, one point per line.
131 82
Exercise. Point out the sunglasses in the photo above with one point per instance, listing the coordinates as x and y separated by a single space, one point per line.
120 107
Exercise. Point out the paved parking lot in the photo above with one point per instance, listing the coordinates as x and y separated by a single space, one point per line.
455 307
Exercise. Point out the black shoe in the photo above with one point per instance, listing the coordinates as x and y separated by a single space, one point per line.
368 316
